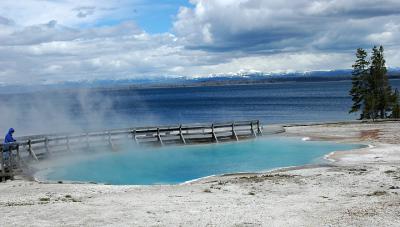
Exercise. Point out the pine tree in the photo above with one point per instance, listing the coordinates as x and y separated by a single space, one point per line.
360 74
371 92
370 110
396 105
379 83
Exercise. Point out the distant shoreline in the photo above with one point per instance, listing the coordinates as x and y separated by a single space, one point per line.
121 87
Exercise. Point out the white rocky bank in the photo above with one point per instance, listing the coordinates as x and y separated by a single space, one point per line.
360 188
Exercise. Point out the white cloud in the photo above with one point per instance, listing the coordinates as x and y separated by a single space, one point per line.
275 26
52 41
66 12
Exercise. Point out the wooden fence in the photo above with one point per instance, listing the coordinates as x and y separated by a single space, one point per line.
40 146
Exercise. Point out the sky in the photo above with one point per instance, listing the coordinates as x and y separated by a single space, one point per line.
56 41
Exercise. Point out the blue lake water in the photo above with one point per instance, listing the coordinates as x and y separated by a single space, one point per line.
177 164
270 103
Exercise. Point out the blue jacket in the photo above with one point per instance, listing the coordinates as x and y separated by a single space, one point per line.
9 138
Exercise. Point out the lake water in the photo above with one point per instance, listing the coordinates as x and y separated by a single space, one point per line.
270 103
177 164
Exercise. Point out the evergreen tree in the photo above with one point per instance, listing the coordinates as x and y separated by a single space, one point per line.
371 92
360 74
379 82
396 105
370 110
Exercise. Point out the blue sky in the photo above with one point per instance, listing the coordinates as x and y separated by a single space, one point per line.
49 41
157 16
152 16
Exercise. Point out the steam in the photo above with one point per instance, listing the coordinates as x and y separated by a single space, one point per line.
66 111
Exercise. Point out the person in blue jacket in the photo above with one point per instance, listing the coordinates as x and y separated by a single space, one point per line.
9 137
8 140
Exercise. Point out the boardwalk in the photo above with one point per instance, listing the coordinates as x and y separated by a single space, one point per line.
41 146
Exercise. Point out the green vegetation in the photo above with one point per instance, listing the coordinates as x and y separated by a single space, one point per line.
371 91
396 107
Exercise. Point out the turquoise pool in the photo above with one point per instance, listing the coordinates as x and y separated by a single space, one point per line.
177 164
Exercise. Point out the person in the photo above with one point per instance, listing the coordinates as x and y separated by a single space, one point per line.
9 137
8 142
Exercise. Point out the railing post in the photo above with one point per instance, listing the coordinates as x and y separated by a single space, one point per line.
110 142
10 161
31 151
252 129
68 148
134 136
233 132
87 140
213 134
30 148
3 171
159 137
18 157
181 134
46 144
259 128
109 137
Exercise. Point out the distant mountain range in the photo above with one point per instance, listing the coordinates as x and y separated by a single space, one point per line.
225 79
331 75
211 80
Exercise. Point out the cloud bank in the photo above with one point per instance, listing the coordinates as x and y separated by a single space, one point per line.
56 41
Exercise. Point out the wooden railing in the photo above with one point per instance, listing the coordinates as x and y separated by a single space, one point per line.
10 160
39 146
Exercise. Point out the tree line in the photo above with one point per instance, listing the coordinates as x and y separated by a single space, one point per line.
371 92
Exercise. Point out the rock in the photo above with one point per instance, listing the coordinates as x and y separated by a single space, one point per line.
394 187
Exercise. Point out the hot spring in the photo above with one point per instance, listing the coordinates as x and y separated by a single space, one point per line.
178 164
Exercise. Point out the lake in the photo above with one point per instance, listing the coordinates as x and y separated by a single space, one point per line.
271 103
